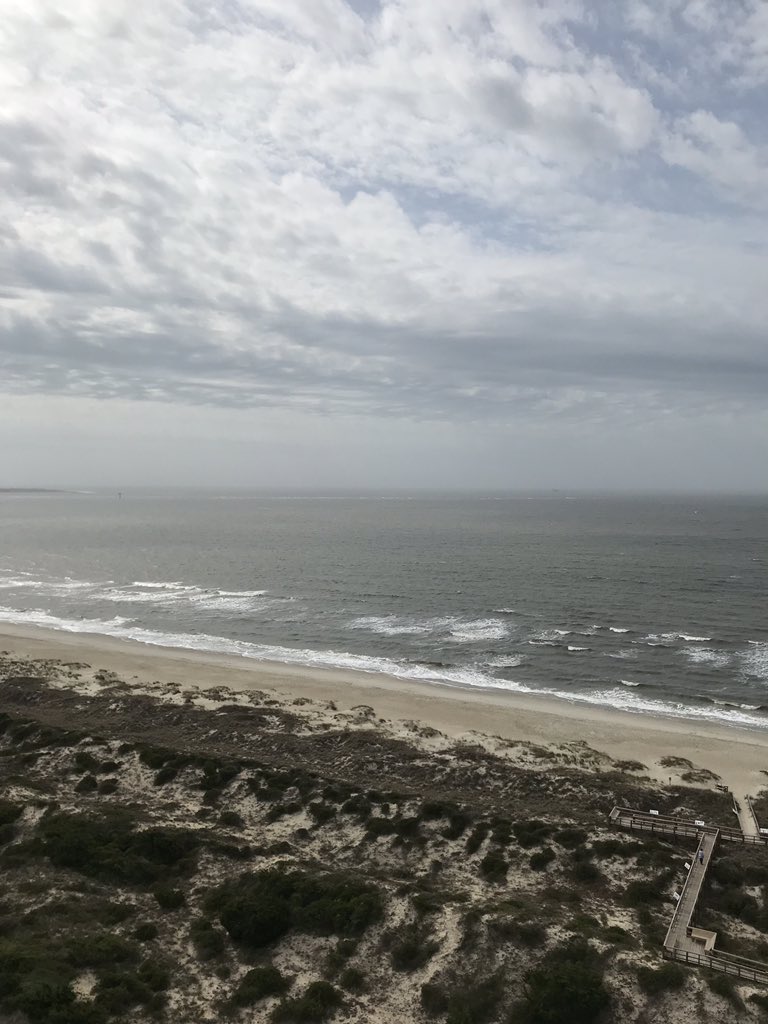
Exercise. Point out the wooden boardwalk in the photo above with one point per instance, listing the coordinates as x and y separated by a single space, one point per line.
684 942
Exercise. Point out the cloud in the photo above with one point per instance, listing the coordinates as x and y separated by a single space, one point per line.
408 209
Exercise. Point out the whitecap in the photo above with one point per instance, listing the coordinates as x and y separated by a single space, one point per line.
572 647
617 629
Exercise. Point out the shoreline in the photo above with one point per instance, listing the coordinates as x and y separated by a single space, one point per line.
737 755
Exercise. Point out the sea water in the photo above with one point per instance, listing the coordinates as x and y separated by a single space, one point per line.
656 605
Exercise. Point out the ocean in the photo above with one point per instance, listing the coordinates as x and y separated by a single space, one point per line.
655 605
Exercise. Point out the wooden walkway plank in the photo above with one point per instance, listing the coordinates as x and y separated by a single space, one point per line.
679 943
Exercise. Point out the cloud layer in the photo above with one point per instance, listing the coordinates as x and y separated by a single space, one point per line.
468 209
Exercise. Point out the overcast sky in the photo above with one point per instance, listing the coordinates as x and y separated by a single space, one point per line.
470 243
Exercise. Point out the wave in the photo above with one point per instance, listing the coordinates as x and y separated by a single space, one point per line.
755 660
451 627
573 647
470 677
617 629
706 656
687 637
166 593
629 682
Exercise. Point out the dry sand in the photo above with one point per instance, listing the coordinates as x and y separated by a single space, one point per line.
738 756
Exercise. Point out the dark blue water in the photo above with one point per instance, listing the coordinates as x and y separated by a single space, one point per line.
656 605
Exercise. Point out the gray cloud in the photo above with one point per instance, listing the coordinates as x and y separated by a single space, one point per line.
453 212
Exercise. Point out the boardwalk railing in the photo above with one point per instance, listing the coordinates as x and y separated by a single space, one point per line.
679 938
643 821
748 970
689 897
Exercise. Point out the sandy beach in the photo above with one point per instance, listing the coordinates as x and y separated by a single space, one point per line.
738 756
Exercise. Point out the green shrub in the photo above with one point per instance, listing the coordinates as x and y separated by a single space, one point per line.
101 951
165 775
208 941
85 761
585 871
107 847
358 805
466 1002
316 1004
88 784
668 977
642 892
412 949
531 833
617 847
724 985
321 812
119 991
542 858
168 898
565 988
107 787
352 979
457 825
476 837
231 819
10 812
433 809
145 932
258 984
380 827
494 867
8 833
256 909
570 837
760 1000
528 933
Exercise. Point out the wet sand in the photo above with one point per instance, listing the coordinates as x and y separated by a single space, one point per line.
738 756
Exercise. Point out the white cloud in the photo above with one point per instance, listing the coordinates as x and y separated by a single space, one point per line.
421 210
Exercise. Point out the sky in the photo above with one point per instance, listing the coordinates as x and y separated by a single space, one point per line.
384 243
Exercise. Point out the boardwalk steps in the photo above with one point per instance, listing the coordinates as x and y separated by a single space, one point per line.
683 941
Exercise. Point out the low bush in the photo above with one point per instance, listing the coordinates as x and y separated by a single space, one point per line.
494 867
476 837
258 984
10 812
145 932
256 909
108 848
567 986
585 871
168 898
88 784
208 941
531 833
107 787
316 1004
457 825
412 949
321 812
101 951
231 819
352 979
617 847
380 827
466 1002
641 892
724 985
668 977
527 933
542 858
570 837
358 805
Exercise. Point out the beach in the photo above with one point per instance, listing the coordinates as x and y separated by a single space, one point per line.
738 756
